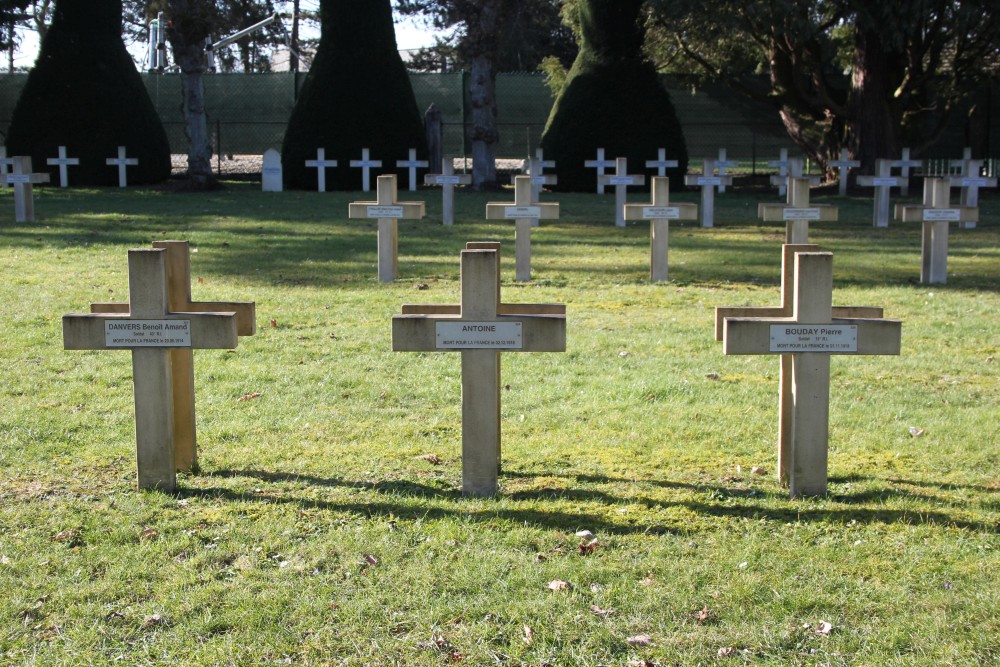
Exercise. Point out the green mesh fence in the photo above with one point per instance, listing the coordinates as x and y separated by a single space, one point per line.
247 114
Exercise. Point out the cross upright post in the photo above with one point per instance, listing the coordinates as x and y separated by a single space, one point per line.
707 181
661 163
843 166
782 164
524 211
321 164
24 189
797 213
805 332
600 164
150 330
883 181
412 164
660 212
178 265
935 214
722 164
969 181
448 179
123 163
5 165
366 164
480 327
621 179
904 164
63 163
387 211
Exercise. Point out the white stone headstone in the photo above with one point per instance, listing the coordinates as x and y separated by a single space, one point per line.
271 178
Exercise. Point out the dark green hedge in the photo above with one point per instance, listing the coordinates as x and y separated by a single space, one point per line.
612 99
357 95
85 93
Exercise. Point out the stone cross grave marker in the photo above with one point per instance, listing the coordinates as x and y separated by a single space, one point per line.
63 163
795 167
707 181
123 163
805 331
448 179
843 166
523 211
782 164
23 182
366 164
600 164
621 179
661 163
321 164
388 212
271 174
5 165
883 181
797 213
534 168
412 164
722 164
904 164
660 212
178 263
935 214
481 327
150 330
969 181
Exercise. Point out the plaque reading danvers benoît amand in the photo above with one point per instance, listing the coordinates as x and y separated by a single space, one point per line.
147 333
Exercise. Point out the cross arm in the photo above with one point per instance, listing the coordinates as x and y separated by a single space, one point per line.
751 335
86 331
614 179
722 313
545 210
880 181
778 179
703 179
504 309
776 212
917 213
684 211
245 311
447 179
406 209
418 333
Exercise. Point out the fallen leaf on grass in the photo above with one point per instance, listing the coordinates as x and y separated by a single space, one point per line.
712 376
584 534
727 651
274 324
824 628
69 536
371 560
152 621
420 286
916 432
641 663
558 585
529 635
249 397
4 560
589 547
147 534
758 470
639 640
433 459
702 615
603 613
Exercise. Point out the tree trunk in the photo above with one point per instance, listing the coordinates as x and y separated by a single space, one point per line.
873 122
483 35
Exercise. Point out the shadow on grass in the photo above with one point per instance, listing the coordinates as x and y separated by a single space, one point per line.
723 502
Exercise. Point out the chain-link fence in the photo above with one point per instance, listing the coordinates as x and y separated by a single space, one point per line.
247 114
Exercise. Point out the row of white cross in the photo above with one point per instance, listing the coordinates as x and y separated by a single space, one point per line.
161 325
63 162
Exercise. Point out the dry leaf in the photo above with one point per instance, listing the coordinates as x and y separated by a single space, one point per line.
824 628
528 635
603 613
371 560
147 534
274 324
916 432
433 459
623 353
648 581
639 640
558 585
584 534
4 560
65 536
712 376
420 286
641 663
152 621
758 470
249 397
589 547
201 280
727 651
702 615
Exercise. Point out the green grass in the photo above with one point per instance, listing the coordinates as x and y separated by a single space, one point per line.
314 535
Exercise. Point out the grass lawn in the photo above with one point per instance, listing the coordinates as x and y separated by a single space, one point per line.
322 531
